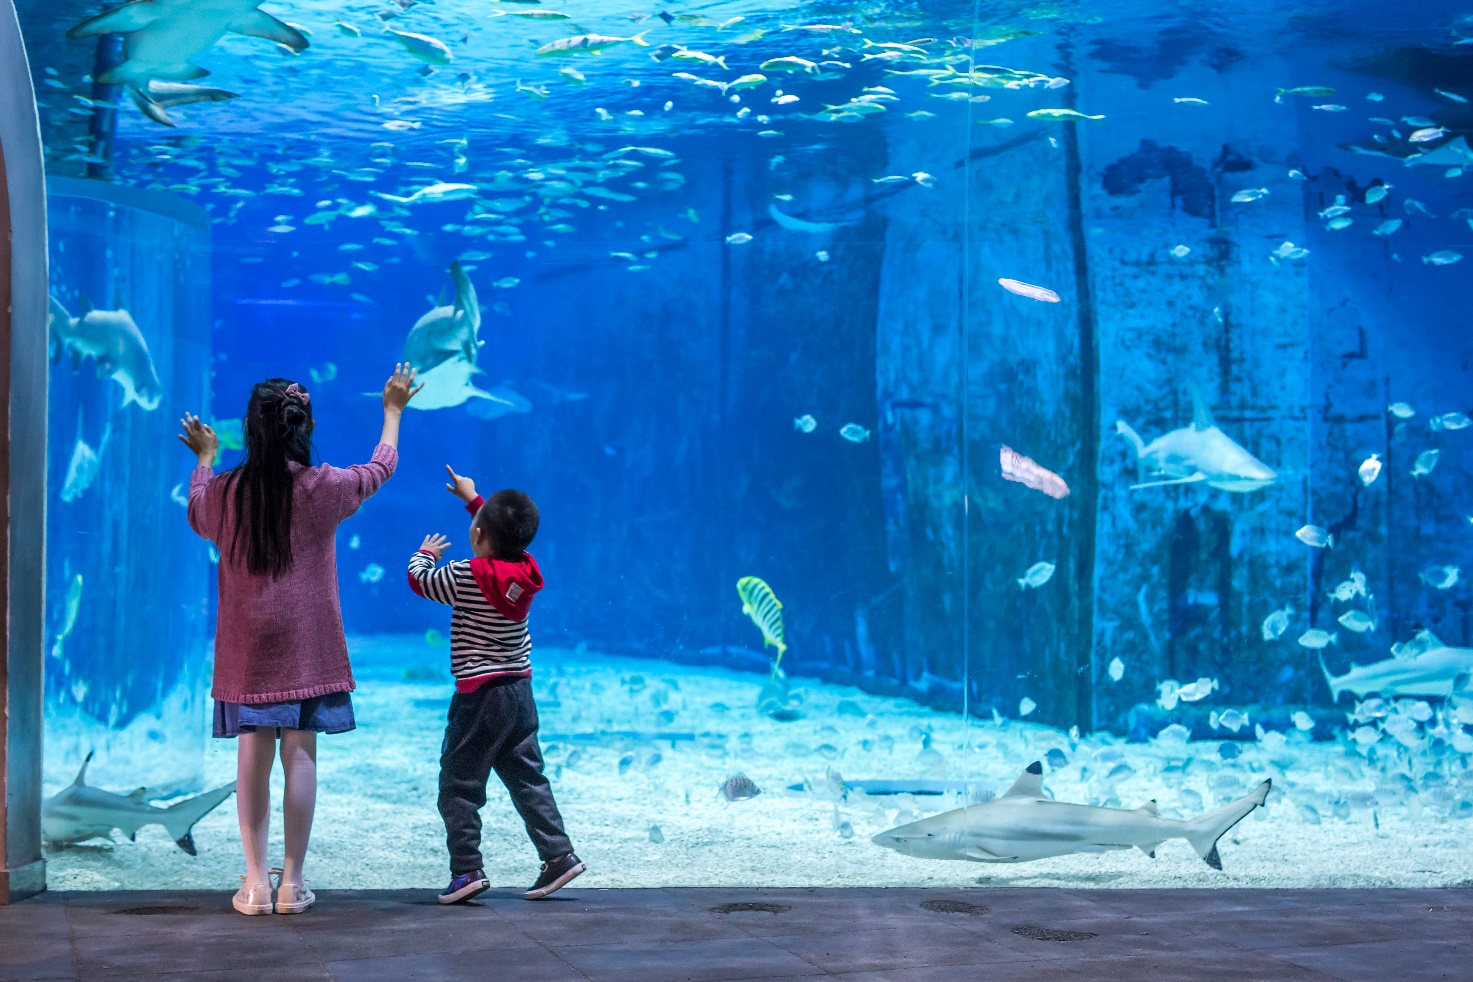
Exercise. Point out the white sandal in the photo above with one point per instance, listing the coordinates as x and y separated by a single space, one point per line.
291 899
252 899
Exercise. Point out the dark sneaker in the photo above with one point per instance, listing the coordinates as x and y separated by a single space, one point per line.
556 874
464 887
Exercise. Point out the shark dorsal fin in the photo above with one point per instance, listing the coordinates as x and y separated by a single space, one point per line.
1201 415
86 303
1029 784
81 780
139 794
1149 808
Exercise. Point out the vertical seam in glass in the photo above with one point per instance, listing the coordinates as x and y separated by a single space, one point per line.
963 311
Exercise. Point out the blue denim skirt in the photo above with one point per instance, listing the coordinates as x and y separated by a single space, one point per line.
332 713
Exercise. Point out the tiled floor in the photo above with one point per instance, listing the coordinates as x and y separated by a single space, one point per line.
676 935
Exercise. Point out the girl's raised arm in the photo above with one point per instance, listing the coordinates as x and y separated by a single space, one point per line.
398 390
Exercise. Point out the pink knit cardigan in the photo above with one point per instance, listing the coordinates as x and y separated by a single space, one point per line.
279 640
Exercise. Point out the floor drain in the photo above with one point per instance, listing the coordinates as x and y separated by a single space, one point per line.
1046 934
954 907
760 908
158 909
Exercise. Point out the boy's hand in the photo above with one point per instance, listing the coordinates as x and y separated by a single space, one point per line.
461 486
200 438
436 544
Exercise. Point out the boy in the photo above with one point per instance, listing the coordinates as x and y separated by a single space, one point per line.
493 720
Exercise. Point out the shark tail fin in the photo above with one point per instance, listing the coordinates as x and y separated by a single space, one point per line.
179 819
1330 680
1204 830
149 106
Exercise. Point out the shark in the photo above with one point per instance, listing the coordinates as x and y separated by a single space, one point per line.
81 812
115 342
162 38
1024 825
1423 666
443 345
85 464
1197 453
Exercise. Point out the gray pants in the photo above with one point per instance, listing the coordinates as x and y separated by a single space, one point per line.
495 728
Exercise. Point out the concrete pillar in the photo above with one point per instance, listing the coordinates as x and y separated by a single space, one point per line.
23 380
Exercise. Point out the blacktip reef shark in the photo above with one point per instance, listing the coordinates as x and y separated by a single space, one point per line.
1023 825
1424 666
443 345
1197 453
81 812
115 342
161 39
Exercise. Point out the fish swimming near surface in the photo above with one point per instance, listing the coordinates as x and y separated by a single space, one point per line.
1425 462
161 39
431 51
1423 666
592 43
1040 293
82 469
81 812
795 224
1023 470
434 194
111 339
443 346
1197 453
1037 575
1024 825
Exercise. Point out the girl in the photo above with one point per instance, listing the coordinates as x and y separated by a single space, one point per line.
281 659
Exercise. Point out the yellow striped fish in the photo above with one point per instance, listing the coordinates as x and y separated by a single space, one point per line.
766 611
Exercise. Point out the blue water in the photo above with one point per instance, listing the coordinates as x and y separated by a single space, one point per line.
672 276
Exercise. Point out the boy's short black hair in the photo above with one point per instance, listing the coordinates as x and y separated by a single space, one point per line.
510 518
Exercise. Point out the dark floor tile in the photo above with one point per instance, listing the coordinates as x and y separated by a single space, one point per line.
1182 966
616 925
197 951
295 972
201 922
910 947
486 934
35 958
687 961
835 913
1142 903
522 964
1027 971
39 917
1378 961
1270 931
1033 936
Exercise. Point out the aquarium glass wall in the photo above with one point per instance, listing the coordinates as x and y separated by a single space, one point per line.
976 444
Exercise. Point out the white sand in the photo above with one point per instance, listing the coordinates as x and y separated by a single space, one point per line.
377 826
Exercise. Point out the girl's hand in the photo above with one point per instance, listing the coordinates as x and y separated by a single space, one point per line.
436 544
461 486
199 438
400 388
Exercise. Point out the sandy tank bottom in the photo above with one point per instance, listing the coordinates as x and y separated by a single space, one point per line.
638 750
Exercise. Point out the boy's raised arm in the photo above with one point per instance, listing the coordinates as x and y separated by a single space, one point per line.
465 489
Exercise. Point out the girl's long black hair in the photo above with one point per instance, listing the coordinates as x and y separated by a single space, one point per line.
278 431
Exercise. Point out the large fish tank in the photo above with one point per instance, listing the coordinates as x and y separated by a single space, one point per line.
1086 381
